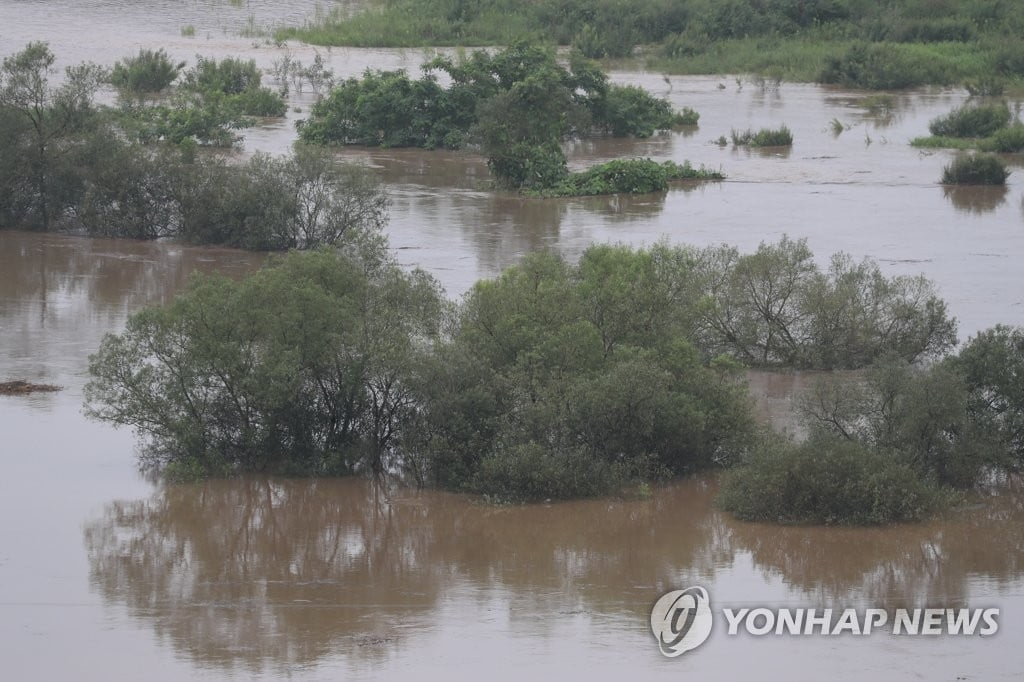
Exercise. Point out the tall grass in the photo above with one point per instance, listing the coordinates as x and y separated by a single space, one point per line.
766 137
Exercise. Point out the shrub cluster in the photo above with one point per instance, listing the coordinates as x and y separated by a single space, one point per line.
73 165
975 169
895 446
517 104
826 481
553 380
299 368
149 71
972 121
633 176
988 127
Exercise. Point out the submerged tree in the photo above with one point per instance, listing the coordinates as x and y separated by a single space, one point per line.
303 367
50 116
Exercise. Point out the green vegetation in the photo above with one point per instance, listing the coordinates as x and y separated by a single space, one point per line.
634 176
975 169
239 82
149 71
851 42
988 127
42 123
553 380
299 368
827 480
894 447
776 307
518 105
73 165
972 121
1008 140
766 137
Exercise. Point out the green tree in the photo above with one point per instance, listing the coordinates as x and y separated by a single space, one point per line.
53 114
303 367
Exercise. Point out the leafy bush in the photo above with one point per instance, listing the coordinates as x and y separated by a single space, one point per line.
972 121
635 176
766 137
532 473
922 413
305 201
260 102
1009 140
826 481
975 169
149 71
236 83
630 110
229 76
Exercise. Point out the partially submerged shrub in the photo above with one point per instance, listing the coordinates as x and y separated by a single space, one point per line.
1009 140
518 104
631 110
634 176
148 71
237 83
826 481
971 121
766 137
532 472
975 169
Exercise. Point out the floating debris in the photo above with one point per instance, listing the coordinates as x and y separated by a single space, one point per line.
24 388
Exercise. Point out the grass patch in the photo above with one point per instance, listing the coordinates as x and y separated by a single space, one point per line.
766 137
632 176
941 142
975 169
188 31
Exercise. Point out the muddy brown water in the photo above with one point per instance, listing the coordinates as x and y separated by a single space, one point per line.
105 575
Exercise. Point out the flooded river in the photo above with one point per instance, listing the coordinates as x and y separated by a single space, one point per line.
107 576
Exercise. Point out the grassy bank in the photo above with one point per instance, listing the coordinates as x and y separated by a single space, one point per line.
852 42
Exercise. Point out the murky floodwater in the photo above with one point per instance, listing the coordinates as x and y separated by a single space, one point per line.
104 575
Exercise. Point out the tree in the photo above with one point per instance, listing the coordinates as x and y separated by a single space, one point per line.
53 114
305 366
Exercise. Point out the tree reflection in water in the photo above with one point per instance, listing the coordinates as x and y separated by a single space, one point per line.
256 573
